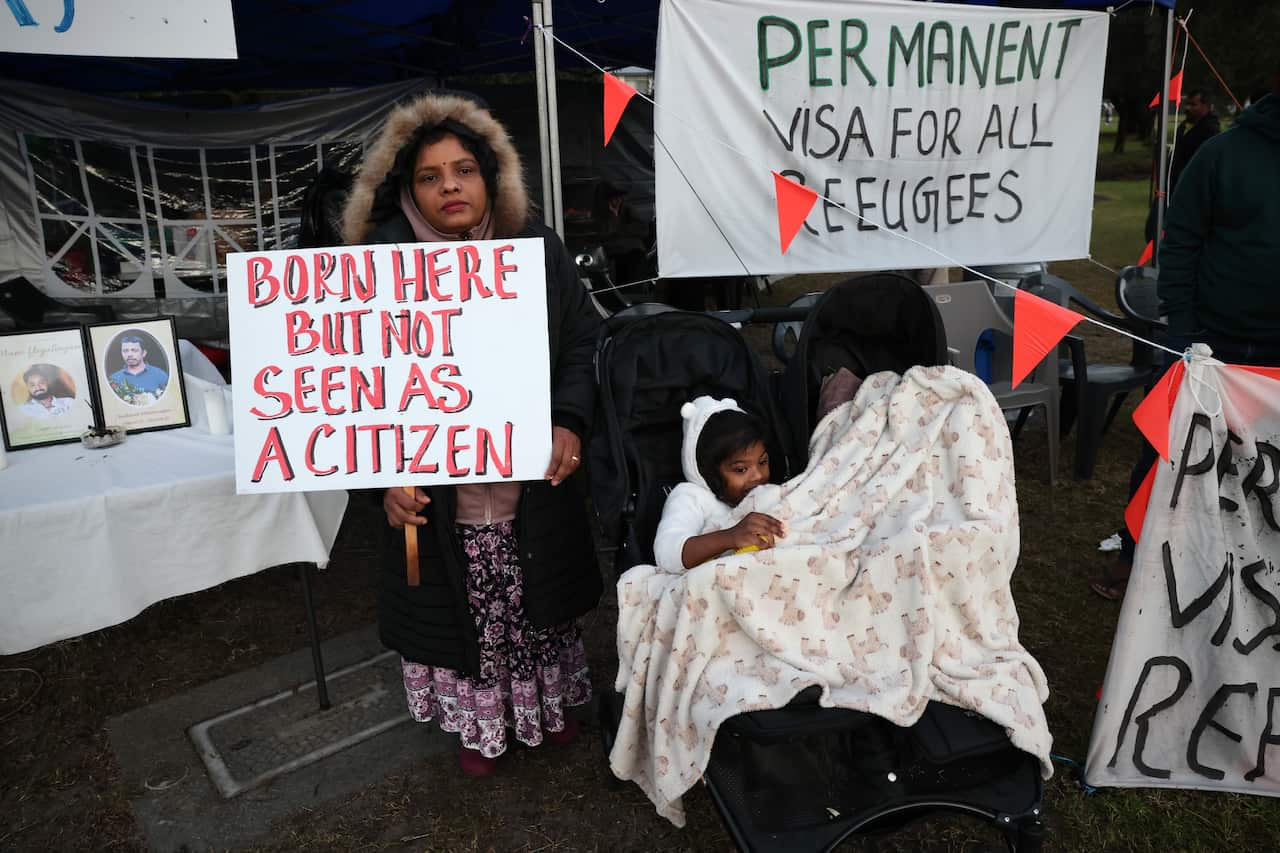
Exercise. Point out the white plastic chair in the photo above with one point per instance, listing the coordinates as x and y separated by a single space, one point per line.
968 309
787 335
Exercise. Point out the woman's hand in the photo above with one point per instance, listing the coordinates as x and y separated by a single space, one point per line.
566 454
757 529
402 508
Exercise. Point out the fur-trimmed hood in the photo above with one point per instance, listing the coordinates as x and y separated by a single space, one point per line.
511 204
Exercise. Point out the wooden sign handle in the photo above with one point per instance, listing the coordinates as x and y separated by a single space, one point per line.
410 548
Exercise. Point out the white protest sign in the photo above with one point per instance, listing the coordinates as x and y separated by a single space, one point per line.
1192 693
970 130
193 29
391 365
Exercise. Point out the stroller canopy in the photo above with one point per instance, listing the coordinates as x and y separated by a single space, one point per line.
879 322
647 370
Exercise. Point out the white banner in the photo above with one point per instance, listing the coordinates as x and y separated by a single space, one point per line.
375 366
966 130
1192 693
193 29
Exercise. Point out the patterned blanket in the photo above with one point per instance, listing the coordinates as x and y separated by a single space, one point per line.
890 589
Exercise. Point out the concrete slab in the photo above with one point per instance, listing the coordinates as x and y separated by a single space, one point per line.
176 804
249 746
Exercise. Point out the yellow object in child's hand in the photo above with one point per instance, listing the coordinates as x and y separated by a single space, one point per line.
747 549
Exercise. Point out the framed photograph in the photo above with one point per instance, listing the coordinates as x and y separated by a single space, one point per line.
46 393
139 374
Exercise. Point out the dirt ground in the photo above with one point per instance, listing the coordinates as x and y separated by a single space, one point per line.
59 788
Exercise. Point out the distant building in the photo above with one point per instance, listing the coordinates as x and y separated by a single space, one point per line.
640 79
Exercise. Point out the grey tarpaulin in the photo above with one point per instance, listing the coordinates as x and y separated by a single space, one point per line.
103 197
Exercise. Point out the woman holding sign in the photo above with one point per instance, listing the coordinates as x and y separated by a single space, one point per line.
487 634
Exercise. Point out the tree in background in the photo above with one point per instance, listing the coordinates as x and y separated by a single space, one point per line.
1134 64
1237 35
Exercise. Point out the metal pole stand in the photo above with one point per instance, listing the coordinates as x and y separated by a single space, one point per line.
322 687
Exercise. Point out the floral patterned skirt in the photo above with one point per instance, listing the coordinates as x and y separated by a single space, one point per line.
528 675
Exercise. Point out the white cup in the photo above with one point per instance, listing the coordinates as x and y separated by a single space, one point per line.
4 463
215 410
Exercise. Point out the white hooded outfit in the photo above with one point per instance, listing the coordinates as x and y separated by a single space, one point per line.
692 509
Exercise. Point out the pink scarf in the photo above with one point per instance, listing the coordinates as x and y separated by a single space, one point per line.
424 232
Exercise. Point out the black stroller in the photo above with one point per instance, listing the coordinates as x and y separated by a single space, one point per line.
650 365
802 777
879 322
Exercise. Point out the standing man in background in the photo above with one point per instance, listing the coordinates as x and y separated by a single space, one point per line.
1221 248
1200 126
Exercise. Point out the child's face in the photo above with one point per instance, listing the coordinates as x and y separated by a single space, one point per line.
743 471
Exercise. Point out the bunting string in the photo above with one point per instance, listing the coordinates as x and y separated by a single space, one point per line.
629 284
1200 50
698 196
952 262
1099 263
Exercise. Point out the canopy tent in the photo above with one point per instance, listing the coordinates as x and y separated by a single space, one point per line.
545 59
322 44
138 201
127 198
351 43
331 44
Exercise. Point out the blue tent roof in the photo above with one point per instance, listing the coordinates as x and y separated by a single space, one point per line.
319 44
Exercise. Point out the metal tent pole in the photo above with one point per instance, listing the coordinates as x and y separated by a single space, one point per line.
553 125
1162 183
544 57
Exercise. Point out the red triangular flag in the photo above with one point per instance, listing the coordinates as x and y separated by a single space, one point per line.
616 97
1175 92
1146 254
1136 512
1038 325
1152 414
794 203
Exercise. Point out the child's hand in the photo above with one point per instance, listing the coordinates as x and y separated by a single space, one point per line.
757 529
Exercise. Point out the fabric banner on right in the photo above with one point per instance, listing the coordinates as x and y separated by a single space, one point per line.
1192 692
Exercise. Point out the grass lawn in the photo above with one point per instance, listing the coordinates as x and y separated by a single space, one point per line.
1119 217
1134 162
60 789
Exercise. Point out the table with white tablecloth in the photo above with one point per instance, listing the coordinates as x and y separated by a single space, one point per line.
90 538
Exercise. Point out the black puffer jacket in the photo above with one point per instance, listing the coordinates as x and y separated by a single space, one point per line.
431 623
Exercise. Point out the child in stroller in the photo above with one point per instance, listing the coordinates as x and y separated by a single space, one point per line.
724 457
673 629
